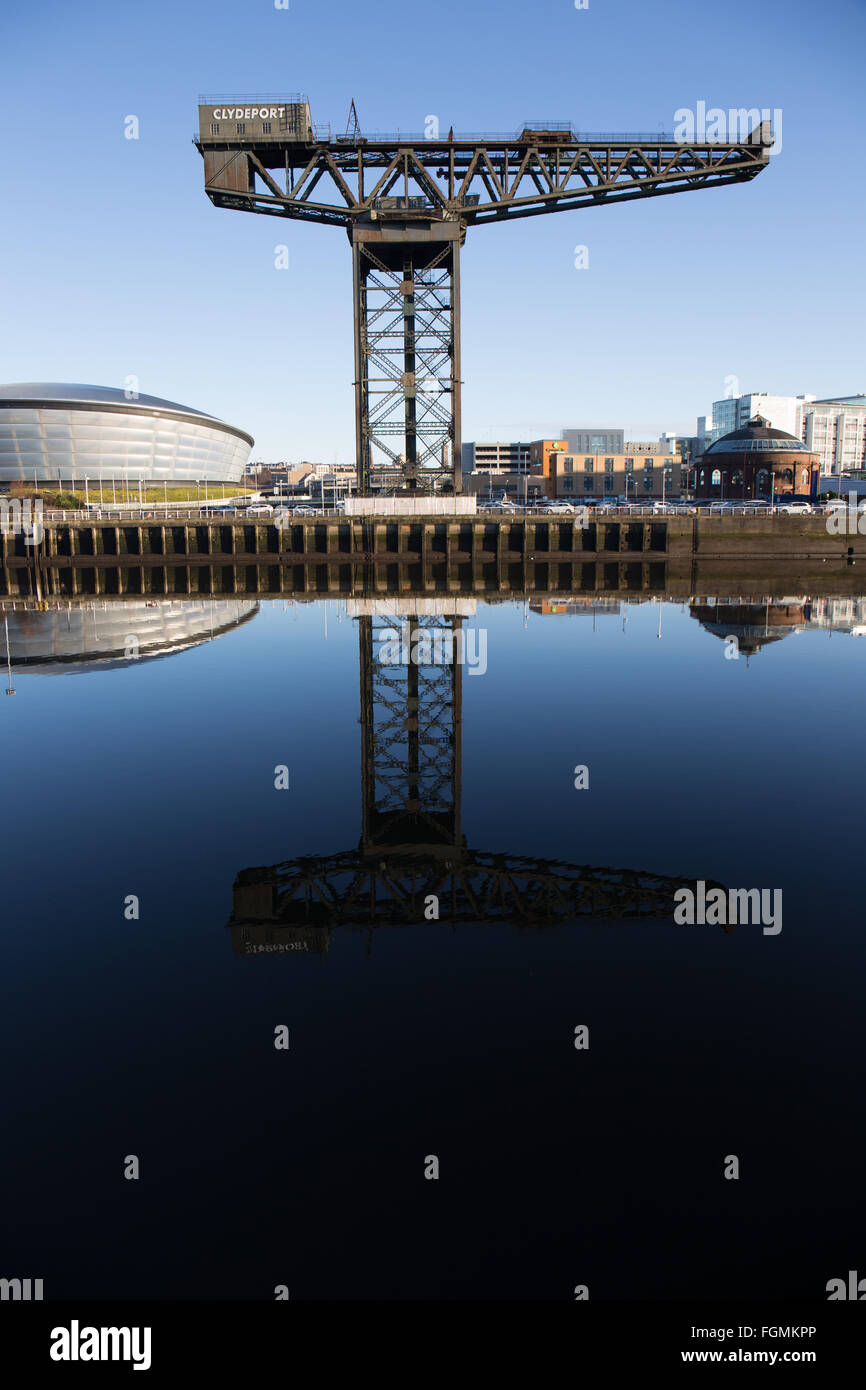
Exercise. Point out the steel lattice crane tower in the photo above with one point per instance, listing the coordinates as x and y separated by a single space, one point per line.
406 202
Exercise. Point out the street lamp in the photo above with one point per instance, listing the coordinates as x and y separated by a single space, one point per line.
10 689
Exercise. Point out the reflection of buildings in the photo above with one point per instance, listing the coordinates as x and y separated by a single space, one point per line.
578 607
754 624
757 623
839 614
63 640
412 848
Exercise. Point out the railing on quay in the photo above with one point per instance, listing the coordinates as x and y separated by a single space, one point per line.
210 512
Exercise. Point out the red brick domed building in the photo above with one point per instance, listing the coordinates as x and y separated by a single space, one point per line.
757 462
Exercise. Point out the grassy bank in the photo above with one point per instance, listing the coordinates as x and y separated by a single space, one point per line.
50 497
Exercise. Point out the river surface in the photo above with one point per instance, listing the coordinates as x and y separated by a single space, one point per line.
553 1083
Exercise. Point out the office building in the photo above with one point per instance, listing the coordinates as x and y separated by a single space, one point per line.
481 457
591 477
591 439
735 412
835 430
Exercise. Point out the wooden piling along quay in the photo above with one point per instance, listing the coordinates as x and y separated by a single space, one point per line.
339 555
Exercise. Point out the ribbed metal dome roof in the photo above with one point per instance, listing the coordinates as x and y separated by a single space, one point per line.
757 436
77 391
32 394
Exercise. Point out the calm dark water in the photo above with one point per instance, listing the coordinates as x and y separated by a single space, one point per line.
154 1037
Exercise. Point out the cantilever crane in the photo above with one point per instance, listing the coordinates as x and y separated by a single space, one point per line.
406 202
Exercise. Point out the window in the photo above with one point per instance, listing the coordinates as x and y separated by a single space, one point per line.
266 127
214 128
648 484
716 478
241 128
648 466
629 463
568 484
568 465
608 463
587 484
588 465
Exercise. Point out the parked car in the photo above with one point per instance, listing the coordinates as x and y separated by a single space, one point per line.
557 507
260 509
795 509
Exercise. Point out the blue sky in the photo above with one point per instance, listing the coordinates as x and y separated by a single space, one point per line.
114 263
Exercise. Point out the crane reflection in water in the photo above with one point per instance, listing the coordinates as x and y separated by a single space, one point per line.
412 863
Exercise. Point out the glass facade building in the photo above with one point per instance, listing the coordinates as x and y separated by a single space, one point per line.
57 433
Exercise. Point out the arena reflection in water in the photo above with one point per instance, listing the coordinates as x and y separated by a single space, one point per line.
66 638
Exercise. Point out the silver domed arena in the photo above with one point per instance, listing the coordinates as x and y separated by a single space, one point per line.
60 433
